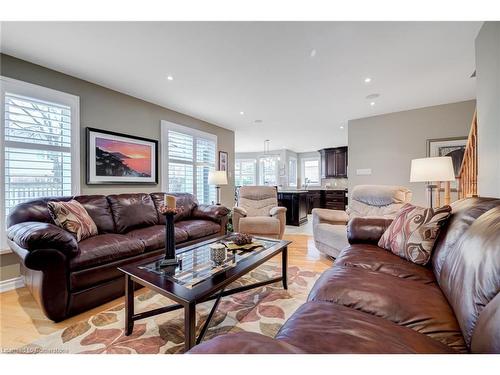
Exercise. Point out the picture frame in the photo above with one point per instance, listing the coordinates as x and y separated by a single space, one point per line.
117 158
223 161
453 147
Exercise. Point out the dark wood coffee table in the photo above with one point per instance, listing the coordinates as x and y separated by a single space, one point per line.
187 294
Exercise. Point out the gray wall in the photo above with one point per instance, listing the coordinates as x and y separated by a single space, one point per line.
488 109
388 143
107 109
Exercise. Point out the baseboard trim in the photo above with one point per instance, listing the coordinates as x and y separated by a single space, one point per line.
10 284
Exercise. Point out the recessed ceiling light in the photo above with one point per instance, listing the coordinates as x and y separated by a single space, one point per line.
258 121
242 113
313 52
368 80
170 78
341 127
372 103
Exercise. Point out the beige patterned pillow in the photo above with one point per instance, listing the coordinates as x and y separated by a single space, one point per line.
74 218
413 232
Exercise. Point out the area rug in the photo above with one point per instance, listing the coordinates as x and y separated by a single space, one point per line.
262 310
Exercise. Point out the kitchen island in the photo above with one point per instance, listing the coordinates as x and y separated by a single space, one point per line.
300 203
295 202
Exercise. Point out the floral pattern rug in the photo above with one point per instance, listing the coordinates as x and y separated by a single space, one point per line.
262 310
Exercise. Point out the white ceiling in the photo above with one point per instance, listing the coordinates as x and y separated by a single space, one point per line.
264 69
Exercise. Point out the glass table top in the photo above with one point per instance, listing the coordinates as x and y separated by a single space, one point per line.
196 265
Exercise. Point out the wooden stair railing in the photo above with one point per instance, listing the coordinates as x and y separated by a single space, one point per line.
467 178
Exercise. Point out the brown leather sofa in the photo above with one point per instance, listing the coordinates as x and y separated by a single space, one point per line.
67 277
372 301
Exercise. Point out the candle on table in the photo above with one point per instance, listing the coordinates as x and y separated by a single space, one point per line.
169 201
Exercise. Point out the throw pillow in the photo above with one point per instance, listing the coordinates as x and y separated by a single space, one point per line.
74 218
413 232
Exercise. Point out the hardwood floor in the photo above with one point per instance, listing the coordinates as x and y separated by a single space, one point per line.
22 321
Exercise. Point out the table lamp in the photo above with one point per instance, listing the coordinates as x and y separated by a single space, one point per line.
437 169
217 178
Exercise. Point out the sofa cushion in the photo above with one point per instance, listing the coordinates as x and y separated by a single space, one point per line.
198 228
154 237
322 327
72 217
33 210
412 304
463 214
98 209
257 200
185 201
105 248
259 225
244 343
373 258
470 275
413 232
101 273
131 211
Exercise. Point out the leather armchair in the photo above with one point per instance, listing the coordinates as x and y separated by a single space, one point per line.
258 213
381 201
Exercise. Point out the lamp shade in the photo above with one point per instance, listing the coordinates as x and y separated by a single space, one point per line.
432 169
217 178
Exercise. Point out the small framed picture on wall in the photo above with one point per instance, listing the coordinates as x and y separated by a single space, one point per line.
223 160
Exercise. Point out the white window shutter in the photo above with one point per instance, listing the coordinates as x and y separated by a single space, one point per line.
37 152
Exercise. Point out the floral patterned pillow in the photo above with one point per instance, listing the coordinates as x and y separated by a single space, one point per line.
74 218
413 232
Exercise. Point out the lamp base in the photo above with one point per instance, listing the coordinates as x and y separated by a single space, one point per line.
218 195
430 195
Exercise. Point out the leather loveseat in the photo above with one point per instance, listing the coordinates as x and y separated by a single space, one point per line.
372 301
67 277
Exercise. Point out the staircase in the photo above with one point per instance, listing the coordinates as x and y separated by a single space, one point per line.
467 179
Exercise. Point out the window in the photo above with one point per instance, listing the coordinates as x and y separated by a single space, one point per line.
40 144
292 172
268 170
244 171
190 155
310 171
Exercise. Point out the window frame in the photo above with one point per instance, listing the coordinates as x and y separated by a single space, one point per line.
294 182
303 169
17 87
261 176
252 160
165 127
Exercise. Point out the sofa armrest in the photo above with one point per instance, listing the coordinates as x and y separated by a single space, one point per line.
210 212
366 229
32 235
335 217
275 211
244 343
240 211
280 214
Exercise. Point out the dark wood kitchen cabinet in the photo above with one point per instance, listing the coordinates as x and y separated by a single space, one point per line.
335 199
334 162
314 200
296 206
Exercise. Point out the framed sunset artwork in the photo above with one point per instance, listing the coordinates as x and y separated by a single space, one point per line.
114 158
